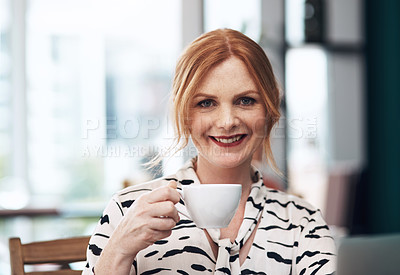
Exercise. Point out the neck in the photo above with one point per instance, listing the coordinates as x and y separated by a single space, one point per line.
211 174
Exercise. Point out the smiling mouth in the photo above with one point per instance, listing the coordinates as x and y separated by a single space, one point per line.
228 141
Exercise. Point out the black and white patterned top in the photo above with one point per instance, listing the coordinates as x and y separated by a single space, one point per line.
292 237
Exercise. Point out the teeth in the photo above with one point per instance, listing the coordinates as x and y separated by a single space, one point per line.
228 140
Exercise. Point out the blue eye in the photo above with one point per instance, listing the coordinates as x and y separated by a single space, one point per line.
246 101
205 103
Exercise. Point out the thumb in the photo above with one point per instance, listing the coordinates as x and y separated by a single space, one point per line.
172 184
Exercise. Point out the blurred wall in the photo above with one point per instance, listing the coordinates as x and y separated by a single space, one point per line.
383 116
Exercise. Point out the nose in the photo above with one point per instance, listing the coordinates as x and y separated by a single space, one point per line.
226 117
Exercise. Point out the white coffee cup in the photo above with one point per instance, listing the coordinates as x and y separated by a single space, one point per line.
211 205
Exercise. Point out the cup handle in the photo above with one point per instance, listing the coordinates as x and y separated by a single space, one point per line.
180 211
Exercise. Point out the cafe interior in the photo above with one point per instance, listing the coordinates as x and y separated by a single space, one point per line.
84 89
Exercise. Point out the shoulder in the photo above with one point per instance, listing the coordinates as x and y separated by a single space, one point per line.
286 198
289 206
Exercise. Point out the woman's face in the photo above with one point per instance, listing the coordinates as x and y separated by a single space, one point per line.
227 116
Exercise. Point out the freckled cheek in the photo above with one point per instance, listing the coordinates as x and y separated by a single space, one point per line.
198 126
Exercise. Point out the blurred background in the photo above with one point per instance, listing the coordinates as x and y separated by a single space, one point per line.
84 91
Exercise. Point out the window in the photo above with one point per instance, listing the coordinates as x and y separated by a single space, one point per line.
306 101
95 81
244 16
91 81
6 102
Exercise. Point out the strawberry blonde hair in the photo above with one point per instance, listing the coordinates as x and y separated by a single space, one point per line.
208 51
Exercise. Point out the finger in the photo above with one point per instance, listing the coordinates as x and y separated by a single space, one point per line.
163 193
164 209
162 224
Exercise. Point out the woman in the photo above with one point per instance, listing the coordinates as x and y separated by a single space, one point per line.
226 99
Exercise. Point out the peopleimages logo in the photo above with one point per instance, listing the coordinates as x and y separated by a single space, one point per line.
129 128
118 151
132 137
147 128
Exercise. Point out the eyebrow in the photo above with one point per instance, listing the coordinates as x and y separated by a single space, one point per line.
244 93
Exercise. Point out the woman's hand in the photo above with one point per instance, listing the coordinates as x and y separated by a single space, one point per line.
149 219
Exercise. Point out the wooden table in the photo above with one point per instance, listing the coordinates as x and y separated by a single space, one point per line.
29 212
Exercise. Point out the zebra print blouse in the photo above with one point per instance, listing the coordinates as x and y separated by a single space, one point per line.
292 237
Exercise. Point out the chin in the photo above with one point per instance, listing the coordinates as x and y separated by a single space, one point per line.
228 162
